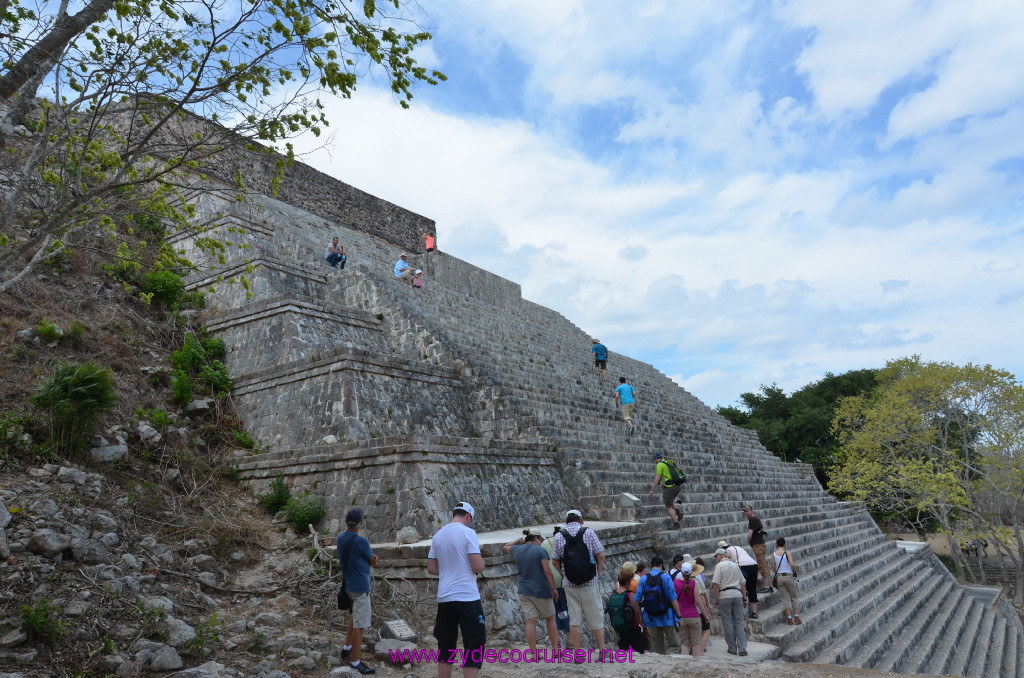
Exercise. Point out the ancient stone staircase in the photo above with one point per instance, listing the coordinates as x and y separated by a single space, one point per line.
462 389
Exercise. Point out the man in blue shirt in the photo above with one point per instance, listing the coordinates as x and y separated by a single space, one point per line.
356 558
625 395
664 637
402 269
600 358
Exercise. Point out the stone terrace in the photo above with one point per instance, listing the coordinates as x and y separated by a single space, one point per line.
404 401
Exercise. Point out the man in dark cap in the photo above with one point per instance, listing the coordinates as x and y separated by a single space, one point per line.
356 558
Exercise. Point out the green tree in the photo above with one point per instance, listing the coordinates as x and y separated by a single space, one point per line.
942 442
800 426
104 111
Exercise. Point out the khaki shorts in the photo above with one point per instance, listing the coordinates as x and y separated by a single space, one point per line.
627 411
585 605
537 608
360 610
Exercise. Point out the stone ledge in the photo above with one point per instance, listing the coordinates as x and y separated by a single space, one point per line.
267 308
344 360
339 458
262 262
237 221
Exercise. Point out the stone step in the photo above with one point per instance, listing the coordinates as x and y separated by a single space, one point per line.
954 660
934 640
888 644
896 649
1011 652
828 624
982 645
990 662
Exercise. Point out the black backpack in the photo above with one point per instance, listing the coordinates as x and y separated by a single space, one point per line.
576 560
620 610
676 475
655 601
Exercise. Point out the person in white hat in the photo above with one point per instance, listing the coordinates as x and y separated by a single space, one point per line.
455 558
730 598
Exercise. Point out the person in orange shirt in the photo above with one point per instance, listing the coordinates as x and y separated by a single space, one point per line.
430 241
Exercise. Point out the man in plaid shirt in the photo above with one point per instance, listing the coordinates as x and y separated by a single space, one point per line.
584 599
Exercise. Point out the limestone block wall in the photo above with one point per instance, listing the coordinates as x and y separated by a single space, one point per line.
414 480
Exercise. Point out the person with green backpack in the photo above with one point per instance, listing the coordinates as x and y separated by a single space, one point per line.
624 612
671 478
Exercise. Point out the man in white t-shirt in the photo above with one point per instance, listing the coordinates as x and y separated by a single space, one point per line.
455 558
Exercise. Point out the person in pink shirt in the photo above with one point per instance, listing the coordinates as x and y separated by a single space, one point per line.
691 607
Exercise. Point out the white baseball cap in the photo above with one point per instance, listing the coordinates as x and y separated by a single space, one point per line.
467 507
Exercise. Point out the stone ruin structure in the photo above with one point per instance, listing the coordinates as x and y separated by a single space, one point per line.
365 391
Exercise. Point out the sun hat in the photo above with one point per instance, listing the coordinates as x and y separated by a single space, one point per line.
720 552
629 566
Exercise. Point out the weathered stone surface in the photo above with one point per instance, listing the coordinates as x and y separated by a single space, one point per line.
67 474
407 535
88 551
200 405
166 659
178 632
48 544
270 619
344 672
77 608
398 629
46 508
108 452
383 648
148 434
14 638
5 515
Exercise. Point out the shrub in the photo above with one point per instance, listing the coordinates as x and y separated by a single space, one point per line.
157 417
149 224
215 377
41 621
279 494
191 356
165 286
181 387
74 396
193 299
206 632
49 331
75 334
243 439
304 510
213 347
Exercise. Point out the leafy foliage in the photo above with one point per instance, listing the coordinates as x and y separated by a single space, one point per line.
243 439
304 511
197 361
164 286
74 396
121 134
279 494
940 442
800 426
41 621
49 331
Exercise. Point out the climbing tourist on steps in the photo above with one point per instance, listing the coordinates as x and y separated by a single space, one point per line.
561 606
579 556
729 598
625 396
755 537
657 598
537 590
748 566
671 479
429 240
455 559
336 254
692 609
785 575
403 271
356 558
600 358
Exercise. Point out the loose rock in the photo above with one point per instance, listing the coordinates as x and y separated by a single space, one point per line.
48 544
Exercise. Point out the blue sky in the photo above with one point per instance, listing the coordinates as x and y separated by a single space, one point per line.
740 193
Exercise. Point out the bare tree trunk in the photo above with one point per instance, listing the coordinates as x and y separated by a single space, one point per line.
51 44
